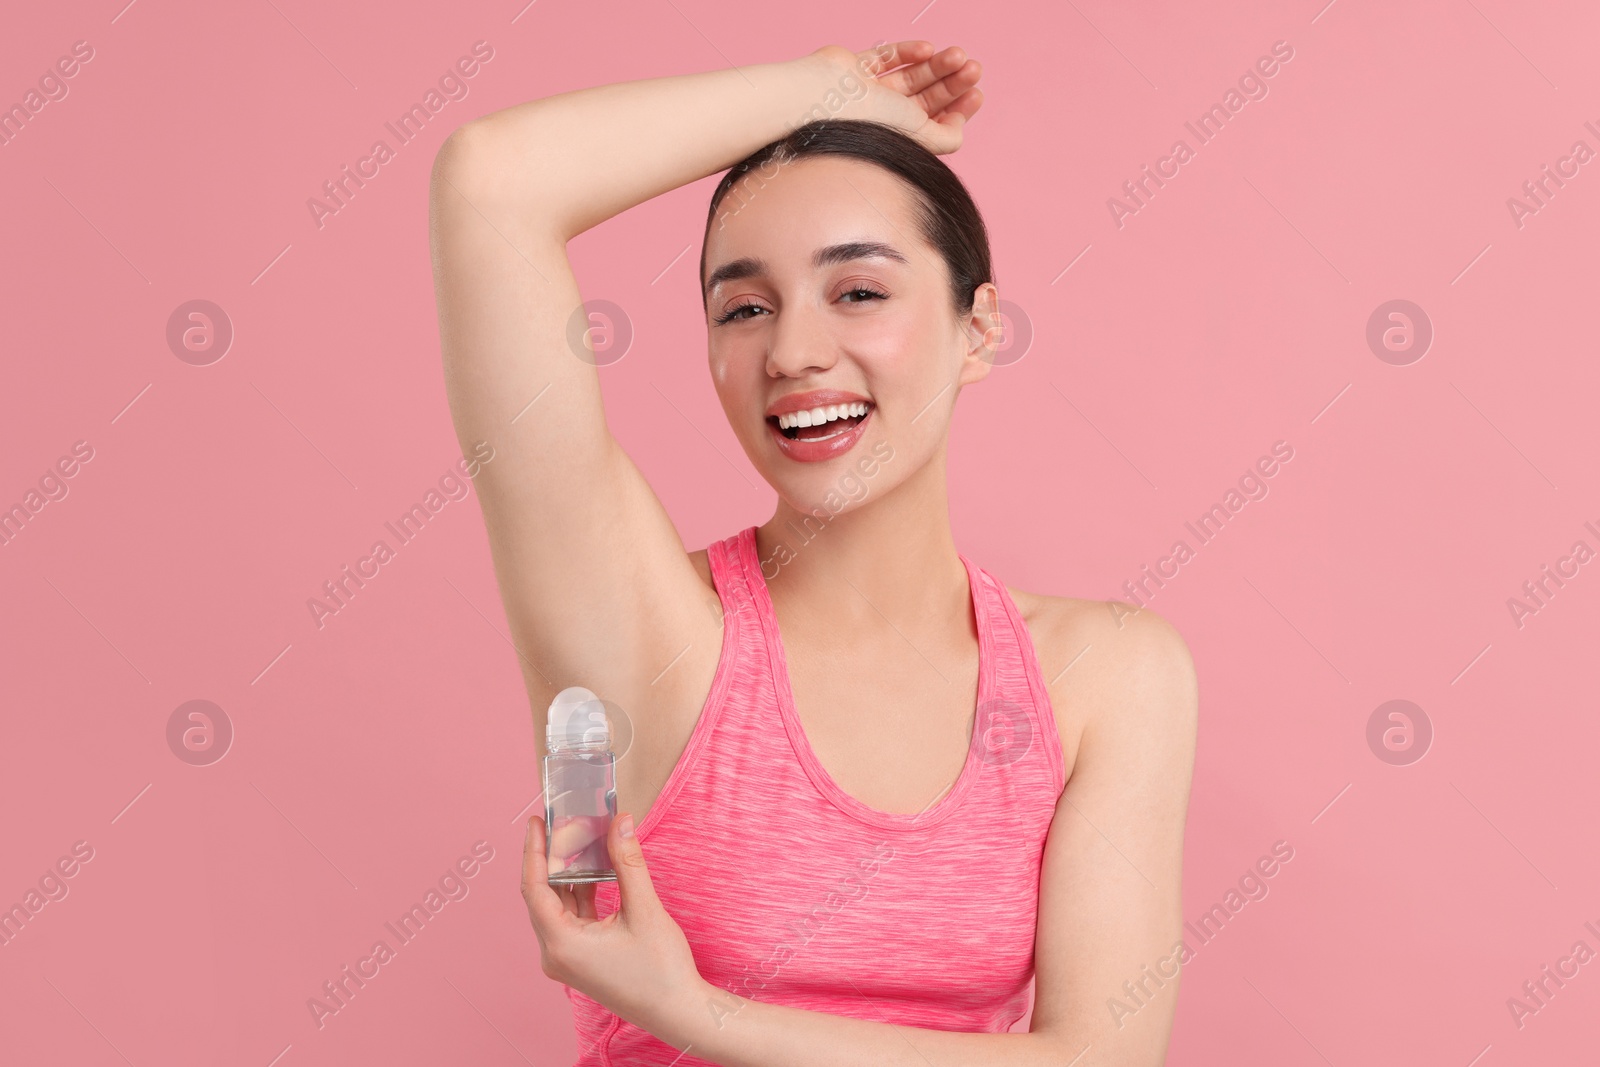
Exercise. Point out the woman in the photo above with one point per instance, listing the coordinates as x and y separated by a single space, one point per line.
865 837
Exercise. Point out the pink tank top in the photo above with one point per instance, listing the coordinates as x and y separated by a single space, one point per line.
792 891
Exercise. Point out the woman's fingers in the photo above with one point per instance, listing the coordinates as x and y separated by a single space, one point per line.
584 898
547 903
636 893
938 96
928 76
886 57
941 83
577 899
569 899
544 905
571 836
930 70
966 105
942 135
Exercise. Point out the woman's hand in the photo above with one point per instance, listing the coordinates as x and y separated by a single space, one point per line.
931 98
636 962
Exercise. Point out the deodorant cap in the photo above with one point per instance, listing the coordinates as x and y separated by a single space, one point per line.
576 716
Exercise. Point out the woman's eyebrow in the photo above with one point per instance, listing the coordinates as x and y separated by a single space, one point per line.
827 256
843 253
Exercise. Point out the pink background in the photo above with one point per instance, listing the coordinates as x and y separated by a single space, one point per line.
1229 313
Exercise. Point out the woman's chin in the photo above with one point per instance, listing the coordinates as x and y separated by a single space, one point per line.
819 493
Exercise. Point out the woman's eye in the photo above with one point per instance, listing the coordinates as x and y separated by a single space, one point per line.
733 314
861 293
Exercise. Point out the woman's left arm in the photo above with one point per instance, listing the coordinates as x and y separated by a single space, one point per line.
1109 941
1106 950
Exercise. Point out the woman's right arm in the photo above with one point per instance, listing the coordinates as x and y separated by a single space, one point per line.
596 583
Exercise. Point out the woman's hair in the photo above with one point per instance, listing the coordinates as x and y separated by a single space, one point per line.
948 218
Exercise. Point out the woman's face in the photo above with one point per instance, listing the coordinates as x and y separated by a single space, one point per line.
834 345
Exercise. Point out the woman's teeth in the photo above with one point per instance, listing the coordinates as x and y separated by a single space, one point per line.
818 416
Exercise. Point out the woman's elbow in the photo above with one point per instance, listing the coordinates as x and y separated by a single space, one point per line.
463 157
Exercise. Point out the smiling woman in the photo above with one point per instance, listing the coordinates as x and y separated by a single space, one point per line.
856 823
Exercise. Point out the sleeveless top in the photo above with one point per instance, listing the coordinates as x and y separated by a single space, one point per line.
792 891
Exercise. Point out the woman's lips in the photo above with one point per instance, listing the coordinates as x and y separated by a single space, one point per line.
818 450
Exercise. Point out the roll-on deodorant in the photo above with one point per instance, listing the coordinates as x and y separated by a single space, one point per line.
580 788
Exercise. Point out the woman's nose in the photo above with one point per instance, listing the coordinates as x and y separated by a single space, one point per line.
799 344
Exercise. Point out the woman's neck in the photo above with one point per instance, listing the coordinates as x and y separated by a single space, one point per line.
891 556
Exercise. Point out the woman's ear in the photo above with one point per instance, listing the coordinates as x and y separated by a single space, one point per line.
985 332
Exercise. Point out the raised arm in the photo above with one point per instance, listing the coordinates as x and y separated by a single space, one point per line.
597 586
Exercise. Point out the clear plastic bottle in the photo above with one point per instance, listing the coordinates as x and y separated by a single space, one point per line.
580 789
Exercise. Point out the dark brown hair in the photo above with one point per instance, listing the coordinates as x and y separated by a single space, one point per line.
948 218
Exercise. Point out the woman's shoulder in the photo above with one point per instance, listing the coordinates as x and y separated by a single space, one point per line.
1107 657
1073 621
